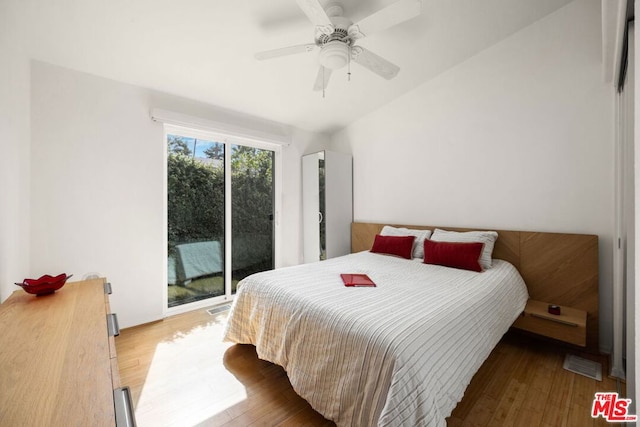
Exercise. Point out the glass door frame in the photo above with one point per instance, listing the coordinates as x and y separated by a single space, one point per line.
228 141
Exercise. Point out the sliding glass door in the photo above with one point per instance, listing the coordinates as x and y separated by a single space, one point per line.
252 211
220 210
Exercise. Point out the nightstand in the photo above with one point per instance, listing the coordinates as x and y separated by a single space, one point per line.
569 326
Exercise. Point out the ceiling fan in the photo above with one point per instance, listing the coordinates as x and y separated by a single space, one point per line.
335 37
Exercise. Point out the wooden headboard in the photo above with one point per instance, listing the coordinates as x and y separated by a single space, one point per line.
557 268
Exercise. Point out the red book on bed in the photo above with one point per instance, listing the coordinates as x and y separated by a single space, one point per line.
356 280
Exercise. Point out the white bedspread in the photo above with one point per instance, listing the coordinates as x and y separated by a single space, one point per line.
399 354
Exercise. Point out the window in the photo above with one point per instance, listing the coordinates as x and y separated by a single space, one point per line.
220 215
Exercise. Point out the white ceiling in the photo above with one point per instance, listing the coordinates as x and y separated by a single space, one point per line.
203 49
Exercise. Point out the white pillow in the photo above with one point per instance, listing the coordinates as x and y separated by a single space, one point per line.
486 237
418 243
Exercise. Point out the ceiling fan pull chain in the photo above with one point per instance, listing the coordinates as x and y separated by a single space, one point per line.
349 66
323 82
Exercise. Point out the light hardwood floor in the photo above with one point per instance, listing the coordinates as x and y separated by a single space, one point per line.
181 374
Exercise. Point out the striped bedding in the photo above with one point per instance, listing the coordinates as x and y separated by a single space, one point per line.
399 354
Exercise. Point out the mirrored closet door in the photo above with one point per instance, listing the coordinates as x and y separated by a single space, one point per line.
327 204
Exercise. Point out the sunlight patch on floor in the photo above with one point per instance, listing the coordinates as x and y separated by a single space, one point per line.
180 389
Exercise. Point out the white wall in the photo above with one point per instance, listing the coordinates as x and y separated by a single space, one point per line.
14 161
97 185
518 137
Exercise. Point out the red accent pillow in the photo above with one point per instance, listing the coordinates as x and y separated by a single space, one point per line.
393 245
464 255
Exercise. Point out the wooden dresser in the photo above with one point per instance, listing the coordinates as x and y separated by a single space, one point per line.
58 362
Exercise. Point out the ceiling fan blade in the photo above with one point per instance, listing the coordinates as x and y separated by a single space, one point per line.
387 17
314 11
322 79
375 63
283 51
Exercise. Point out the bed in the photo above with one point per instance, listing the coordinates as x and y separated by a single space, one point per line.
400 353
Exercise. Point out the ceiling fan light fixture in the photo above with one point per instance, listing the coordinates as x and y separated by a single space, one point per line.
334 55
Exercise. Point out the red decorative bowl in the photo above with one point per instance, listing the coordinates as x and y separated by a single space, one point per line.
45 284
